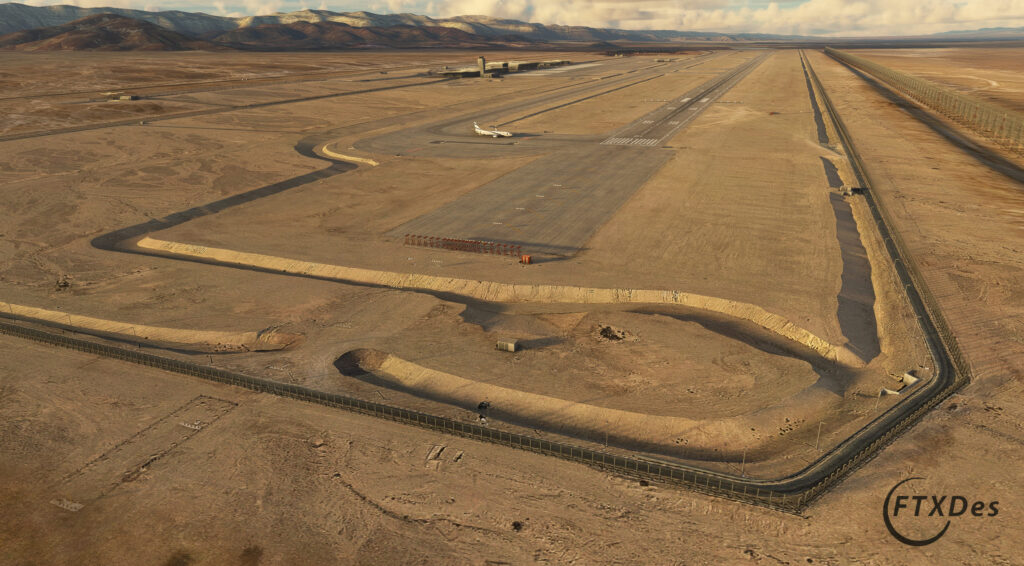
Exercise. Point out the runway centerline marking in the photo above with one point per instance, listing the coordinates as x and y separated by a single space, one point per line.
661 124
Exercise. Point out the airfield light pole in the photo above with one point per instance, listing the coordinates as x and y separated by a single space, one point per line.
817 440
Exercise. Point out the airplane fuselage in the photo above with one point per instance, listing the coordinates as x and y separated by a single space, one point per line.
494 133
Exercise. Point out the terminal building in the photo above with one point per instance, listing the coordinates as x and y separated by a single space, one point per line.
496 69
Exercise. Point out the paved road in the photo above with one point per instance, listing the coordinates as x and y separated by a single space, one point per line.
659 125
555 204
551 206
433 140
800 487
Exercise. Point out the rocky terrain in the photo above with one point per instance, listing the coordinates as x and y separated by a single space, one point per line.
103 32
333 35
17 17
111 32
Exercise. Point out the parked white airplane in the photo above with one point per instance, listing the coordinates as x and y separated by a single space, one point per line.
493 133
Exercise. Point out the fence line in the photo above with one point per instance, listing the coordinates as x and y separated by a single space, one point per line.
690 478
474 246
866 441
933 324
1001 125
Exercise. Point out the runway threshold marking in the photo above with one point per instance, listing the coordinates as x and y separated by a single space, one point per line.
690 107
630 141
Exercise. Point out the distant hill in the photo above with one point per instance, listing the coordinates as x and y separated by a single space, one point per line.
102 32
336 35
983 33
321 29
110 32
17 17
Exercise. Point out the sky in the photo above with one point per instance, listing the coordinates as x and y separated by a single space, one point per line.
803 17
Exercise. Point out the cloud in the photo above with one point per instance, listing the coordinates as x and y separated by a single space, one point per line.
262 7
90 3
831 17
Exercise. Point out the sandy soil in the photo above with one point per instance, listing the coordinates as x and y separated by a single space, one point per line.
355 221
64 72
606 113
809 301
996 75
272 481
45 90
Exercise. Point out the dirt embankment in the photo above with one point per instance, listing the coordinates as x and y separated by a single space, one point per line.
266 339
751 436
512 293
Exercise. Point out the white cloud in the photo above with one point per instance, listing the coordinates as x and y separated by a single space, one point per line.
834 17
90 3
262 7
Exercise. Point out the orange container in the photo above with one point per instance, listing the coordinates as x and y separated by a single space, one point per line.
524 259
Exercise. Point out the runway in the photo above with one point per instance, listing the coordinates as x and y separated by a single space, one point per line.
658 126
552 206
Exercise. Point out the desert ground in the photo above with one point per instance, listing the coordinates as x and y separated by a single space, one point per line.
993 74
700 292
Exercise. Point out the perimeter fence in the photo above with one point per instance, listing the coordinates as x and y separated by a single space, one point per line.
690 478
925 304
791 494
1001 125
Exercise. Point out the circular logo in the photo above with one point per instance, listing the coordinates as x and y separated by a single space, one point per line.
899 536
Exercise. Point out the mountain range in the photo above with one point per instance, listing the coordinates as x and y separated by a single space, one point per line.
17 17
102 32
112 32
34 28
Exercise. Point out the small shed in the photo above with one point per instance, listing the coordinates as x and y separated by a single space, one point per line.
507 345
